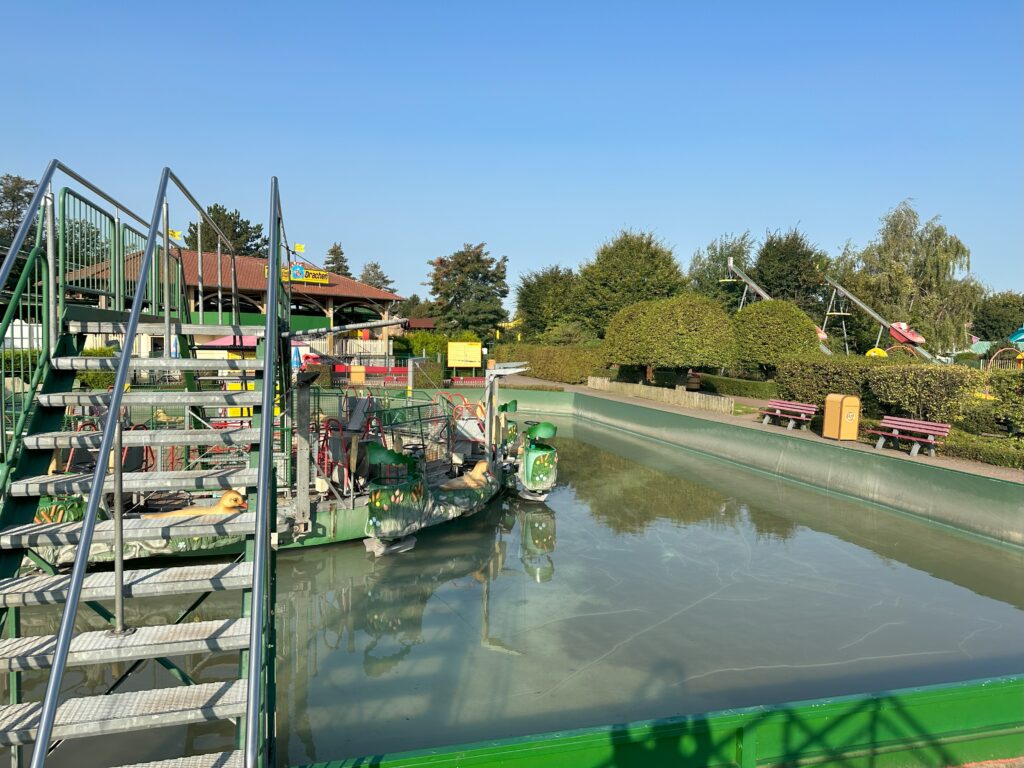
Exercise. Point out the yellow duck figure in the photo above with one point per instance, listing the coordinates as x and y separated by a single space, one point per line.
475 479
231 502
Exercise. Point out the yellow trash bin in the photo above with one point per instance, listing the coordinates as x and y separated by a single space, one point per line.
842 417
357 374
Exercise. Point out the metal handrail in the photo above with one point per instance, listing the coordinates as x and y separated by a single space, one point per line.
67 624
265 480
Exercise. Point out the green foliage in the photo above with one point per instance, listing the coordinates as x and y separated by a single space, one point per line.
979 416
101 380
373 275
15 195
709 267
323 372
916 273
998 451
568 333
19 363
633 267
685 330
998 315
724 385
468 288
337 261
247 238
570 365
431 343
414 306
428 374
1008 388
811 381
541 299
789 267
929 392
768 332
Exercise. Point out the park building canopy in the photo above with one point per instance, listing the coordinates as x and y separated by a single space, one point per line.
319 299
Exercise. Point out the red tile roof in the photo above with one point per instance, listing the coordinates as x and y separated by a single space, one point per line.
422 324
251 277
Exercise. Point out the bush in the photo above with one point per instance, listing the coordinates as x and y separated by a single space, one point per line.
323 374
723 385
631 374
1008 388
811 381
998 451
19 362
428 374
979 417
570 365
102 380
930 392
568 333
685 330
768 332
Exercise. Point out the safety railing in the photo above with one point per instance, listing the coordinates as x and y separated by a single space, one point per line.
276 377
157 230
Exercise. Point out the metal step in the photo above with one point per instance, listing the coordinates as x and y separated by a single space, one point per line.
23 591
121 712
231 436
214 760
135 529
102 647
162 398
155 363
132 482
157 329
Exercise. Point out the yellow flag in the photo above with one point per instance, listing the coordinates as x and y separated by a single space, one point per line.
300 248
175 233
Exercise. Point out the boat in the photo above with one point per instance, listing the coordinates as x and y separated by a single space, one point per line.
904 334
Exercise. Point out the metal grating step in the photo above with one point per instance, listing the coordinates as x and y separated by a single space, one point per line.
157 329
214 760
158 397
155 363
135 529
121 712
101 647
50 485
150 582
235 436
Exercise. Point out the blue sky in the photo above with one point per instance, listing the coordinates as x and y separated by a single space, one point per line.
404 130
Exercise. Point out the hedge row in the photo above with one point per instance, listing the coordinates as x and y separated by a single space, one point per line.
724 385
998 451
570 365
931 392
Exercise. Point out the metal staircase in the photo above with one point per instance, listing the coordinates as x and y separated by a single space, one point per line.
131 287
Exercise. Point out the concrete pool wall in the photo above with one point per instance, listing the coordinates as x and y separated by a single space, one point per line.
980 505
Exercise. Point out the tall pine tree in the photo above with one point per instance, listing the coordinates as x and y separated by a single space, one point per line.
373 274
337 261
468 287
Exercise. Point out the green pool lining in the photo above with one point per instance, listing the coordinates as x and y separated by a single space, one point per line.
942 725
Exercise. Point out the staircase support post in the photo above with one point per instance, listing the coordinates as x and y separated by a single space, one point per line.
51 269
167 279
119 626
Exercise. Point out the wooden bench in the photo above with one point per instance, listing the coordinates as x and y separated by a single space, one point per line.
794 413
927 433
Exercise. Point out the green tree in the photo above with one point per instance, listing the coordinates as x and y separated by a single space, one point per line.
998 315
920 274
709 268
632 267
684 330
247 238
568 333
769 332
414 306
15 195
789 267
468 287
337 261
541 299
373 274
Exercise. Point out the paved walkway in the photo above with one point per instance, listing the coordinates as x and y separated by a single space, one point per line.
750 421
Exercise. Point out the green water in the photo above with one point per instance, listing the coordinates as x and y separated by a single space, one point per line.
652 583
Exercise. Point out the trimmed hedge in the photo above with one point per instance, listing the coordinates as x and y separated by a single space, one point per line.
569 365
998 451
1008 388
724 385
685 330
768 332
102 380
811 381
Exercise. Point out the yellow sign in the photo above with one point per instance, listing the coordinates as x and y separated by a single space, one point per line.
464 354
175 233
300 248
300 273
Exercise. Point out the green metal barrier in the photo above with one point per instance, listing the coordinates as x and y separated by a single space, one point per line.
928 726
